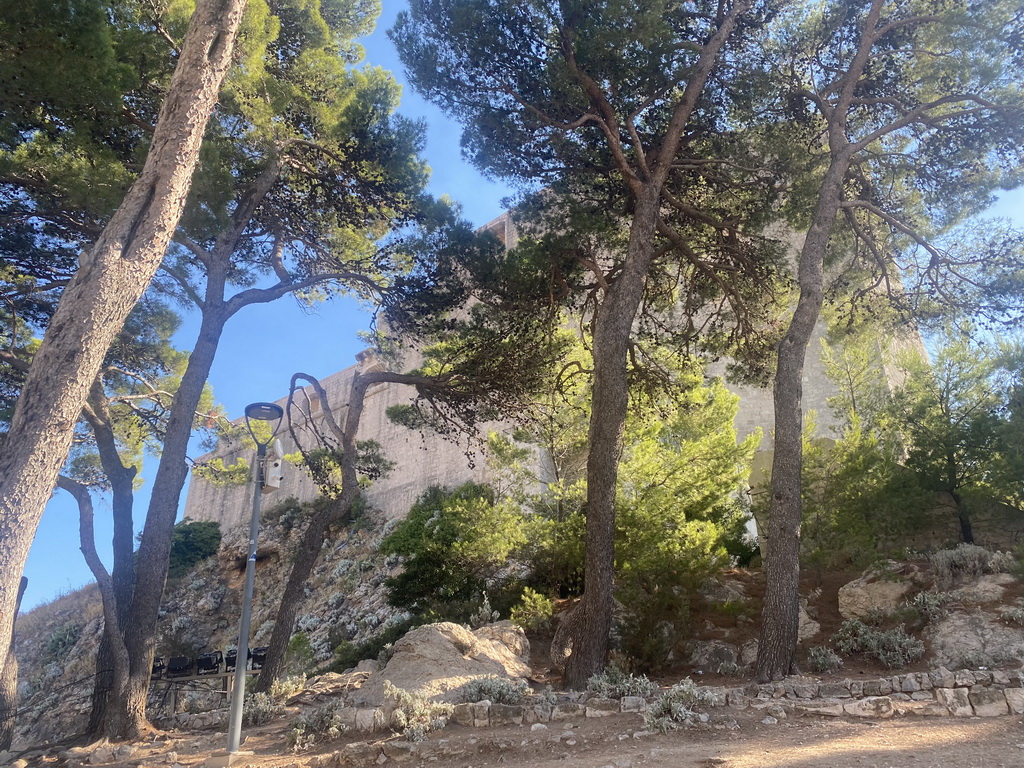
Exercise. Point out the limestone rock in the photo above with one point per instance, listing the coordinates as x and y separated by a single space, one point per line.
955 700
713 654
808 627
987 589
883 588
974 636
872 706
436 659
988 702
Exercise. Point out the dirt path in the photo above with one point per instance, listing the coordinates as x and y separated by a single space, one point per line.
618 742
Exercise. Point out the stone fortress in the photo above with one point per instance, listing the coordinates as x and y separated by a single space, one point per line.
425 460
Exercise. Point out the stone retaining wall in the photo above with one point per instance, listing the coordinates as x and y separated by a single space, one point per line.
964 693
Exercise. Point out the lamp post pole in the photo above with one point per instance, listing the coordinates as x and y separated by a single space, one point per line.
261 412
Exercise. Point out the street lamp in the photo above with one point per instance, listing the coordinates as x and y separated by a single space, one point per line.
268 412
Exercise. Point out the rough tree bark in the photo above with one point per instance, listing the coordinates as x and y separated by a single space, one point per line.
118 653
613 327
780 615
311 544
111 278
9 684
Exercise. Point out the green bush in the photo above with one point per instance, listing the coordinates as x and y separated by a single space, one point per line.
613 683
821 659
497 690
675 707
967 563
456 547
299 657
192 543
348 654
414 715
894 648
318 727
260 708
60 642
534 611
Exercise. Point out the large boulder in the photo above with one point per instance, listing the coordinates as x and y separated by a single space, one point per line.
882 588
975 638
436 659
989 588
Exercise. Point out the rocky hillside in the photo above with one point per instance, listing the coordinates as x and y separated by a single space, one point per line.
956 609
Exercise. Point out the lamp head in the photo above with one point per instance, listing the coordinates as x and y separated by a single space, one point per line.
263 412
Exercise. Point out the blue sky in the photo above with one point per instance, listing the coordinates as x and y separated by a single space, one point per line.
264 345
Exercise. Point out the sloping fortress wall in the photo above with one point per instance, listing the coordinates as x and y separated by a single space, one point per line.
425 460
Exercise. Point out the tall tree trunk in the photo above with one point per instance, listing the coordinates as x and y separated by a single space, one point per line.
122 491
612 330
118 654
9 684
780 615
155 546
110 280
311 544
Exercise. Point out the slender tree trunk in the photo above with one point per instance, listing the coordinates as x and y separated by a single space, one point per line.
155 546
9 684
116 648
110 280
312 540
780 616
121 480
612 330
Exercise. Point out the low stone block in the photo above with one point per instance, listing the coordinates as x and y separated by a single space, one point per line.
982 677
805 691
462 714
872 688
988 702
910 684
481 714
964 678
830 707
400 751
567 711
942 678
369 720
542 712
506 714
922 696
357 753
834 690
856 689
639 703
740 700
925 681
920 708
884 686
1015 700
872 706
602 707
1000 678
955 700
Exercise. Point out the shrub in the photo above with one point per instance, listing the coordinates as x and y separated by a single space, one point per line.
613 683
192 543
821 659
930 605
967 563
286 687
299 656
320 726
415 716
894 648
497 690
60 642
457 545
349 654
260 708
675 707
1013 616
534 611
